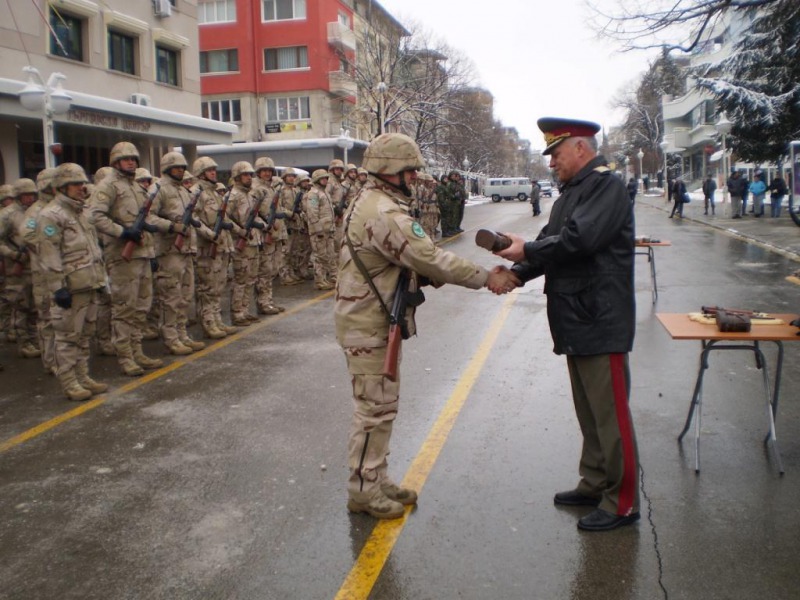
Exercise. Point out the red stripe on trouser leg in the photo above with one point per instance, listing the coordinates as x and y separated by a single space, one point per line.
627 491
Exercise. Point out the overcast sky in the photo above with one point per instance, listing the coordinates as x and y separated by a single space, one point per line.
538 58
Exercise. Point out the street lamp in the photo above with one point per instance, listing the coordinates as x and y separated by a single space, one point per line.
344 141
381 88
465 164
724 126
664 145
640 156
49 97
627 167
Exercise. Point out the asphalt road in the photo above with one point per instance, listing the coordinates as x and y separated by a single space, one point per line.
223 476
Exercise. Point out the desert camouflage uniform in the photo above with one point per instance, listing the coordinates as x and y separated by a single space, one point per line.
428 206
71 259
286 196
337 193
300 251
6 197
245 262
387 240
270 259
318 208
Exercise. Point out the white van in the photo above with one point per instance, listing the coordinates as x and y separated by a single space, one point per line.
508 188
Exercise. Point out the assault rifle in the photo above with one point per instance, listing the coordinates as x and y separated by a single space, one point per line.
187 218
298 198
218 224
139 223
398 326
250 223
712 311
19 264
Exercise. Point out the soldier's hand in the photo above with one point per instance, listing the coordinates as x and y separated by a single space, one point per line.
63 298
195 223
227 225
259 225
150 228
177 228
129 234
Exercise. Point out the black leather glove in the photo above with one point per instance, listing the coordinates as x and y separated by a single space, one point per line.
258 225
150 228
227 225
153 265
130 234
195 223
63 298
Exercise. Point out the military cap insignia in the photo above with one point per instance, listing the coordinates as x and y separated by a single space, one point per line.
417 229
50 231
31 224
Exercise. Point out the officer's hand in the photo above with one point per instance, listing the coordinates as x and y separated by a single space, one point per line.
63 298
130 235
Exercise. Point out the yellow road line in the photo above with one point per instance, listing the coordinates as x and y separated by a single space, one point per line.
362 577
145 379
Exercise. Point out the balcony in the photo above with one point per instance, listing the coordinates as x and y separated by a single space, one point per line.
342 84
340 37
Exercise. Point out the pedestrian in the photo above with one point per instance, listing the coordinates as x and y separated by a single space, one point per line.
586 255
381 243
113 207
670 183
632 188
679 196
73 271
646 183
735 189
446 204
536 198
321 216
709 187
759 190
777 190
17 263
458 194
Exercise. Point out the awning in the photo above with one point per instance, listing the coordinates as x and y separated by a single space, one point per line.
716 156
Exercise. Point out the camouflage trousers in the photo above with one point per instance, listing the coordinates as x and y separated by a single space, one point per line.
299 254
270 259
430 221
42 300
131 298
375 404
19 296
324 257
73 329
212 277
174 285
103 330
245 271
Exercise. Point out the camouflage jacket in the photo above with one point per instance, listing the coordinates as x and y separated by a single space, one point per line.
272 189
206 211
387 240
240 203
319 211
12 222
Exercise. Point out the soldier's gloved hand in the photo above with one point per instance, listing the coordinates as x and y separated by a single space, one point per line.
177 228
63 298
153 265
227 225
259 225
130 235
150 228
195 223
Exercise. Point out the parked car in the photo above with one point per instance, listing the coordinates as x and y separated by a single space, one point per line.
546 188
507 188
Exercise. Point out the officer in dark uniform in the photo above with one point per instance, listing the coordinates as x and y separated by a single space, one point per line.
586 254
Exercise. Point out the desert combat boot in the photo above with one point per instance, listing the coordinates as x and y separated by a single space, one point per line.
72 389
143 360
86 382
376 504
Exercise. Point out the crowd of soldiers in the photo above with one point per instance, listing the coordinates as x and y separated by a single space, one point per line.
124 259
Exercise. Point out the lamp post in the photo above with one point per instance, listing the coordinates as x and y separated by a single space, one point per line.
345 142
49 97
381 88
724 126
640 156
664 145
627 168
465 164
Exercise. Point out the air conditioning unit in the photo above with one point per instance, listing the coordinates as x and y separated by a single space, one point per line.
162 8
140 99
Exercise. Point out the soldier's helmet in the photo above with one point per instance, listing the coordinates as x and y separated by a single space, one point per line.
302 178
362 171
188 176
335 164
45 179
351 167
203 164
264 162
123 150
69 173
392 153
173 159
24 186
319 174
220 187
242 168
6 192
142 173
102 173
289 172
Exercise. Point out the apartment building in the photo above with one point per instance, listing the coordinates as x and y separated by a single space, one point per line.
130 72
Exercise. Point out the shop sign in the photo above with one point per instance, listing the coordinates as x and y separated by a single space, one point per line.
96 119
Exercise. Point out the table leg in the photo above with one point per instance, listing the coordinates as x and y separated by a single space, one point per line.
772 401
651 258
695 407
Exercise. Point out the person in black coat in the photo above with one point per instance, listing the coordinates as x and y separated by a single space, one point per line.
709 187
586 254
632 188
678 195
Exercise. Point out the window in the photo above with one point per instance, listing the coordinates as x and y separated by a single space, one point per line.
66 37
121 52
228 111
282 10
219 61
288 109
344 20
282 59
216 11
167 67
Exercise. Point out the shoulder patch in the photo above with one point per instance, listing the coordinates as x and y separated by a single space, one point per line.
417 229
313 201
50 230
31 224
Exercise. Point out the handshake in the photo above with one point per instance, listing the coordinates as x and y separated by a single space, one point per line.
501 279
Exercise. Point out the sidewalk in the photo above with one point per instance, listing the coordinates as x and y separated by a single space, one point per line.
780 235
